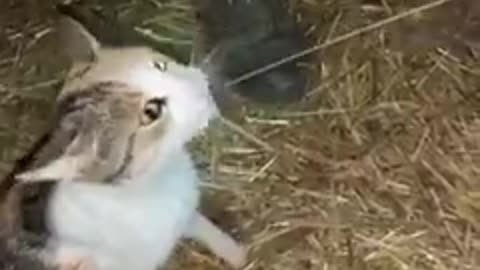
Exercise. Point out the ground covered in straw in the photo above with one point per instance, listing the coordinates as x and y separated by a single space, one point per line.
378 169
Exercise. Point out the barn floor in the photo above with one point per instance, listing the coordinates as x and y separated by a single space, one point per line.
377 169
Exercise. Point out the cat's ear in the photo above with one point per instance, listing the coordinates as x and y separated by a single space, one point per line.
76 41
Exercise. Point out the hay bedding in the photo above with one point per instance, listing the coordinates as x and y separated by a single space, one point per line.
377 169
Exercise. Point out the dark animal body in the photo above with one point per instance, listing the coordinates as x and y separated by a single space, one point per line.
243 36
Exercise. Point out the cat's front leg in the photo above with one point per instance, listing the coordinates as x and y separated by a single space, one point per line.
220 243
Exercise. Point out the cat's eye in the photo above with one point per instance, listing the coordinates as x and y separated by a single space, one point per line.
160 65
152 111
